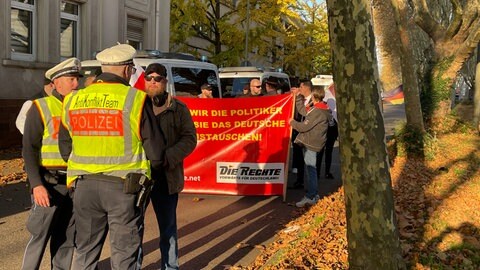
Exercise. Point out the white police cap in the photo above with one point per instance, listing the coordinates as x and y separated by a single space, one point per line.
70 66
118 55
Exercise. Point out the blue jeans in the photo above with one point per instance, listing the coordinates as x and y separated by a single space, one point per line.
310 158
165 207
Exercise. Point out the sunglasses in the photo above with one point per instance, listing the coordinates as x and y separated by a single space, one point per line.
133 69
156 78
257 86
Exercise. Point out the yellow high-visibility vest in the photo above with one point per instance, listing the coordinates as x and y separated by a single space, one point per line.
104 123
50 109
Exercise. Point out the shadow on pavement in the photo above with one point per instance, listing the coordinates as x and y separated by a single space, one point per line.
235 233
15 198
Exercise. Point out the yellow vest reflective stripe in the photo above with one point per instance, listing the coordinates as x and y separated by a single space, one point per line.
104 123
50 109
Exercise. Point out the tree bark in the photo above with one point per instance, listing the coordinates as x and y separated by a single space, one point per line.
455 36
476 99
373 241
411 89
387 38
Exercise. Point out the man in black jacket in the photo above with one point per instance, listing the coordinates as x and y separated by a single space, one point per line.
174 119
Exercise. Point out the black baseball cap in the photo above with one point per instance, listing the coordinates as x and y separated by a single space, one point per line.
157 68
206 86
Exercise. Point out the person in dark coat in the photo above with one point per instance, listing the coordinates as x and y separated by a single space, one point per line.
271 86
298 165
176 123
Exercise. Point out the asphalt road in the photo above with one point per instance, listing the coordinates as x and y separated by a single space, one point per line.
215 231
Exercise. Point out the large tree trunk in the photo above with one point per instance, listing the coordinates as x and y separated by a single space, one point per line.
387 38
411 89
372 232
476 99
455 35
441 87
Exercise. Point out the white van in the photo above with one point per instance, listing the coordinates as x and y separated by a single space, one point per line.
322 80
185 74
234 78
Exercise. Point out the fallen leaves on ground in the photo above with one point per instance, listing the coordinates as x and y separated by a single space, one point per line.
11 165
436 201
437 206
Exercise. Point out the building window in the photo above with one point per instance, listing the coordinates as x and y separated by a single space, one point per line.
135 28
22 31
69 22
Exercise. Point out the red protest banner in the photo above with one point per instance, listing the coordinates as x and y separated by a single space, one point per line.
242 146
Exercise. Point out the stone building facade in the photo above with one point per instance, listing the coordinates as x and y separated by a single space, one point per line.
37 34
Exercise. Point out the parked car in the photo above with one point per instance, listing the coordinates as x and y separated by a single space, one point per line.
185 73
234 78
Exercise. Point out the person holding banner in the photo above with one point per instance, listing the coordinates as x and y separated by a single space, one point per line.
312 137
298 165
256 88
245 91
306 91
175 121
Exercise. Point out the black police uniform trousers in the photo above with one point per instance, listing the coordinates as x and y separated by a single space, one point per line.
100 206
55 223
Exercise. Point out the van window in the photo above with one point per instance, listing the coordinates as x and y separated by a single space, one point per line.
187 81
232 87
184 76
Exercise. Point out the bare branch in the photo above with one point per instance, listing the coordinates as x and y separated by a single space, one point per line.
473 38
469 24
470 15
455 25
201 34
425 21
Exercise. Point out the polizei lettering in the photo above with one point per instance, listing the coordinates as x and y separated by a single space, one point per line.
247 171
95 101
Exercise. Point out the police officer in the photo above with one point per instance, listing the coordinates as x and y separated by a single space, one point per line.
51 215
110 136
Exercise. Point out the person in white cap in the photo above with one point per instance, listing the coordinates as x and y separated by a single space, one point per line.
110 142
51 216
